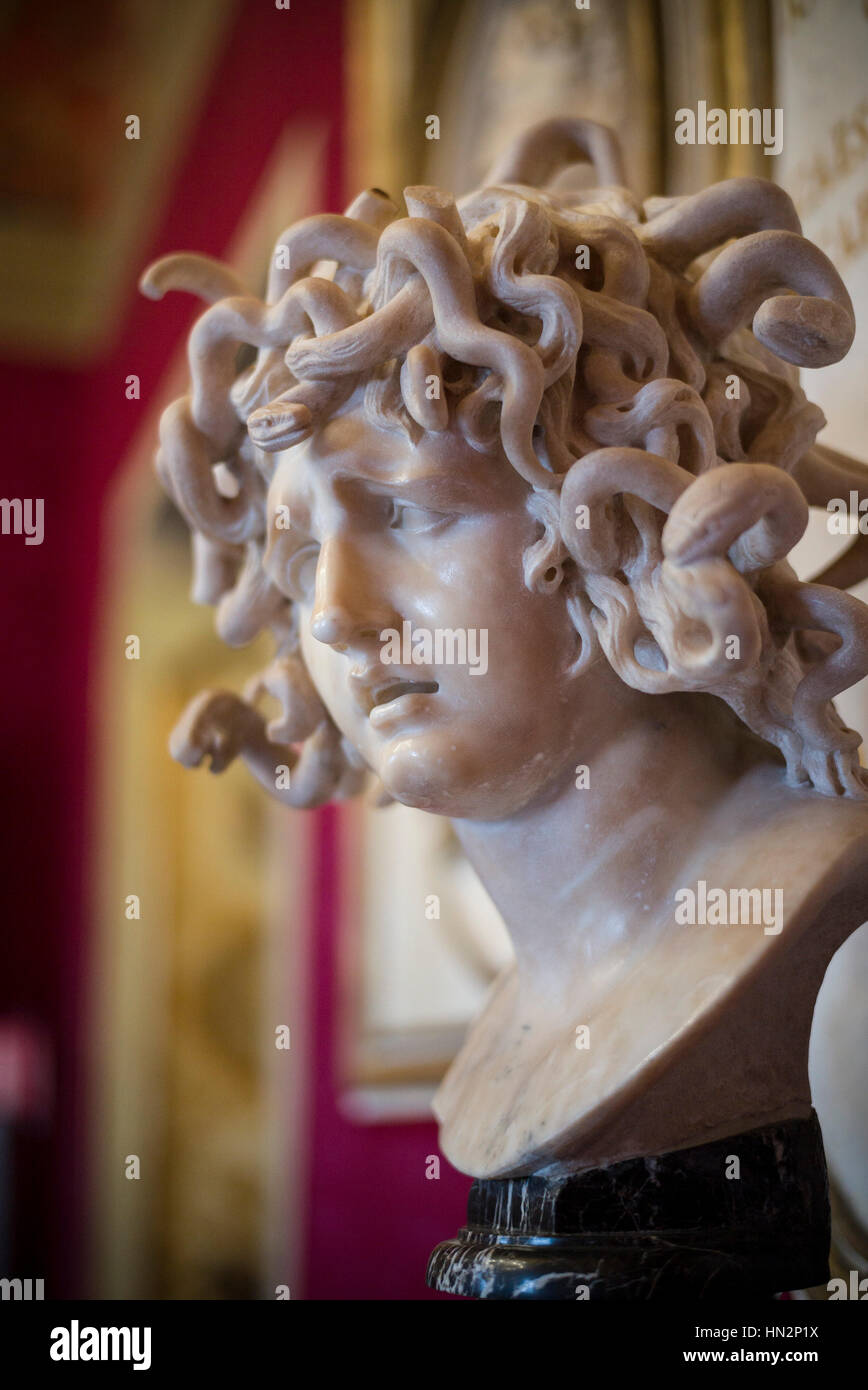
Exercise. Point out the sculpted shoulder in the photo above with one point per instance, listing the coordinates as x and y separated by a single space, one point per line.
801 841
779 879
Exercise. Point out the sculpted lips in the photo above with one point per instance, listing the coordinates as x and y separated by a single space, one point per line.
393 690
400 700
385 696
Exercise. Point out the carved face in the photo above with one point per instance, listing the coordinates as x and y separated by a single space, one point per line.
432 656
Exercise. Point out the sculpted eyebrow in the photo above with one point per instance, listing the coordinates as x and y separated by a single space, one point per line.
433 485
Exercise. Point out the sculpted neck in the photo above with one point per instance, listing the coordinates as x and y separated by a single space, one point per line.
580 875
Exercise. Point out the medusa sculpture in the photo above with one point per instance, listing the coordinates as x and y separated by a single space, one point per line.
653 415
571 422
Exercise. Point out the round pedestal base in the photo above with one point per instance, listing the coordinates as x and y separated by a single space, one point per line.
745 1215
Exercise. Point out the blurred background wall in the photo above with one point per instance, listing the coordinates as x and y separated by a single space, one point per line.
159 925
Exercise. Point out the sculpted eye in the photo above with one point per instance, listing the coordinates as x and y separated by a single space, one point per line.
405 517
301 572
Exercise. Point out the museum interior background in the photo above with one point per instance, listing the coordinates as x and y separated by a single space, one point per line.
153 1035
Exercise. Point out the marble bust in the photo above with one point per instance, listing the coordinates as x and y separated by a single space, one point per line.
512 482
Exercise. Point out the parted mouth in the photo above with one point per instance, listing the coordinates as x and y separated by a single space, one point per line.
393 690
374 687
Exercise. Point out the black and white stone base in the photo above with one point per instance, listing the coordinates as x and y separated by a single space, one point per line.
674 1226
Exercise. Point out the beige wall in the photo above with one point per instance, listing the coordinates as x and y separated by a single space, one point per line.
821 49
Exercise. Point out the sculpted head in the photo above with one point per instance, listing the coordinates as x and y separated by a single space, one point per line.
502 457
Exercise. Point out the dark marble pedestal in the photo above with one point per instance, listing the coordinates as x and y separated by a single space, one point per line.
673 1226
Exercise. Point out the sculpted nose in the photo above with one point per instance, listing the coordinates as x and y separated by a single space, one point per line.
331 625
341 611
